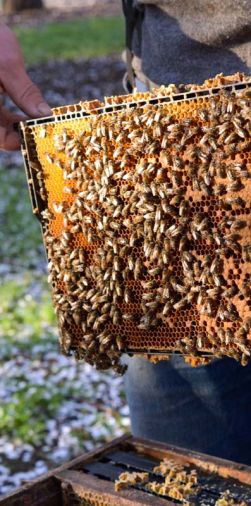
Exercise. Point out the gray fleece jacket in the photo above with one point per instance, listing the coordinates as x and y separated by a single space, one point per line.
183 41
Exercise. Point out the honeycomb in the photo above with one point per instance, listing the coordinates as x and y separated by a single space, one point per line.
145 206
87 498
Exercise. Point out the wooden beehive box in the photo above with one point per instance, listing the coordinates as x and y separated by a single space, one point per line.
145 208
89 479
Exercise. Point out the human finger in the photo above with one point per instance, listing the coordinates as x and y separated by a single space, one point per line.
9 118
24 93
9 140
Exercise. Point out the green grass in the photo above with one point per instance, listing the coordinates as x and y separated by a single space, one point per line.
72 39
26 319
21 243
27 316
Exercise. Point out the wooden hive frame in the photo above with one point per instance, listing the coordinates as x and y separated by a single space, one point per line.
145 208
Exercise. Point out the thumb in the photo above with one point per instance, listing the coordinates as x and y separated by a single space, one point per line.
25 93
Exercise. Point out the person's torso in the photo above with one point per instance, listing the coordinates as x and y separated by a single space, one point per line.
191 40
210 22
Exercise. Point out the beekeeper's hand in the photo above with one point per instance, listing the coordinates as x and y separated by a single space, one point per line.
15 83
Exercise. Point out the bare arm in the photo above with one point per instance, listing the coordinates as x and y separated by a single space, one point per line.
15 82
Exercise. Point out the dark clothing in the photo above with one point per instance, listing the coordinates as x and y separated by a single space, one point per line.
183 41
207 409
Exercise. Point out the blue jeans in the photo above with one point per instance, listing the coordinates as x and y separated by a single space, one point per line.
206 409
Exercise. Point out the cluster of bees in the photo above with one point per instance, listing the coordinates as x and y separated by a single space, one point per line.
227 500
179 483
130 479
149 245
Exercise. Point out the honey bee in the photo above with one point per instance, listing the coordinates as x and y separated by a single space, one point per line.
221 170
237 201
218 280
216 265
103 318
177 163
176 179
230 292
120 342
43 194
137 269
155 271
235 186
165 142
49 158
167 308
242 347
238 225
241 132
130 317
40 176
43 132
224 127
196 184
65 341
203 114
183 208
246 324
165 257
200 340
153 305
157 131
58 208
244 360
183 242
230 149
180 304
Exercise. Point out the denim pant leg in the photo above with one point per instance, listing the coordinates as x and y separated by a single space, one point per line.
207 408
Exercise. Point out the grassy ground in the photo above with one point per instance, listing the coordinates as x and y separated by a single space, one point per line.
26 314
72 39
20 237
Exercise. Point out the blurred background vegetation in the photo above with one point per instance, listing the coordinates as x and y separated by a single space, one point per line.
72 39
51 408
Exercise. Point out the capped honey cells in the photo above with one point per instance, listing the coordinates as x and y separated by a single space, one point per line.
145 206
